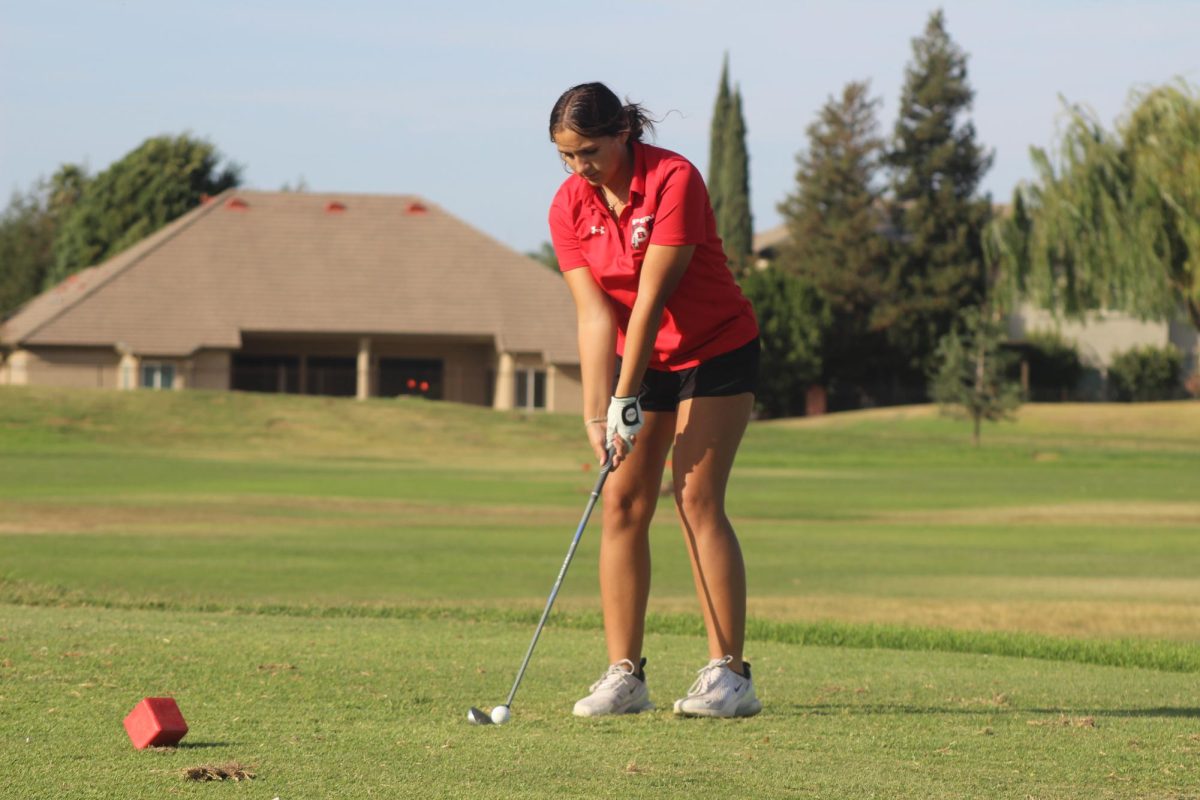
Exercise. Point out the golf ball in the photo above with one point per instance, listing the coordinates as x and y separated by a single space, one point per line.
500 715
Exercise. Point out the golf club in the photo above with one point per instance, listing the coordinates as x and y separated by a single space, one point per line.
500 713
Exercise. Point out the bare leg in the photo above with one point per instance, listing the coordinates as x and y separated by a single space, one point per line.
708 432
630 496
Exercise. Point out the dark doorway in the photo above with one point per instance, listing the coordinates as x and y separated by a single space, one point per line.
280 374
410 376
332 376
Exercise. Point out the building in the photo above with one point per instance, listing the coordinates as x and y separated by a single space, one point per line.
352 295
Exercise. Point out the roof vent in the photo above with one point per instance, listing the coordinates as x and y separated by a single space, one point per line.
236 204
334 207
415 208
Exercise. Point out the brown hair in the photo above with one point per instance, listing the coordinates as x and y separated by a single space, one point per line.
592 110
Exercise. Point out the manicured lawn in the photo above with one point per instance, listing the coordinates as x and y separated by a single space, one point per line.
326 586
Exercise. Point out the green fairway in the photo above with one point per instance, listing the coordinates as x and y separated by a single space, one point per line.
326 586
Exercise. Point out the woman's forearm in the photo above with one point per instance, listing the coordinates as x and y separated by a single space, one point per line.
597 355
639 344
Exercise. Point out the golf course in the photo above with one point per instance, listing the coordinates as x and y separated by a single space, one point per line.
326 587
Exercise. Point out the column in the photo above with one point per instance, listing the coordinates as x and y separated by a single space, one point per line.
505 383
127 372
364 368
551 383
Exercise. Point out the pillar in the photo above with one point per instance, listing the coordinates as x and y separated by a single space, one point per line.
364 368
505 383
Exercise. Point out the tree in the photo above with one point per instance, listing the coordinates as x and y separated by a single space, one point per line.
1115 216
546 255
971 373
835 238
937 166
160 180
28 228
729 174
716 142
791 321
26 247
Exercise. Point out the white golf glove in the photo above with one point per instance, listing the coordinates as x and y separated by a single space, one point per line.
624 420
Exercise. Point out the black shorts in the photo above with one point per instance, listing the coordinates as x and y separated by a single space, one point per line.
735 372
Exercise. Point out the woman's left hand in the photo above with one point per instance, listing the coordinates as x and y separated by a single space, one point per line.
624 422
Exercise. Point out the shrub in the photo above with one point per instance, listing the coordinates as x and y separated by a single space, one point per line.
1146 373
1054 366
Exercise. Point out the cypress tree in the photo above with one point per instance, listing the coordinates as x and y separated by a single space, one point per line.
735 225
729 173
835 219
937 166
716 145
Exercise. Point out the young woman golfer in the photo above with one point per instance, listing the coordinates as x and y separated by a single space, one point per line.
668 348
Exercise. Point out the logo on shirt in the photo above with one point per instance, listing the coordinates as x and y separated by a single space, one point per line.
641 231
597 230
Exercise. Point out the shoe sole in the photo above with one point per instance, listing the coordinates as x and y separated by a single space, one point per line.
631 710
748 712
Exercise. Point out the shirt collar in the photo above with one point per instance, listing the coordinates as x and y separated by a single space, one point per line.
637 184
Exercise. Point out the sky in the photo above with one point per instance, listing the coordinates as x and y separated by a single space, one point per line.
450 100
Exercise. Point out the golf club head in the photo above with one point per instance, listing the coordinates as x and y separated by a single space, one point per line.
478 717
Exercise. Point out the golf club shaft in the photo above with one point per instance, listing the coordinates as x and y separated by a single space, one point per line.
587 512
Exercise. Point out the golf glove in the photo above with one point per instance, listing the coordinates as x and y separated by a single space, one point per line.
624 420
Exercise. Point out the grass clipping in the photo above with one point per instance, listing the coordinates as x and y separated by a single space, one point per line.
219 772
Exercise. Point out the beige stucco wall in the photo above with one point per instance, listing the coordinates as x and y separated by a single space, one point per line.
206 369
72 367
1098 338
567 389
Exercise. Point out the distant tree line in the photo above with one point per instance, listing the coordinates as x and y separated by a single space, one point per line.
74 220
896 270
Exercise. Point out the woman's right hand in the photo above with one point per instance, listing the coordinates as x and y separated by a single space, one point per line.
597 432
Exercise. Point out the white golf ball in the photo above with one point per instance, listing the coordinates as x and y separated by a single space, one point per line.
500 715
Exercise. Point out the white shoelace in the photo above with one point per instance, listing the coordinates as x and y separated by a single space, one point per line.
708 675
615 674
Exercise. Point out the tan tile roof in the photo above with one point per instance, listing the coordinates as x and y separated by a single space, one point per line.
295 262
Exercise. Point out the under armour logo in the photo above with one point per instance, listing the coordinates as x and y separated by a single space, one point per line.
597 229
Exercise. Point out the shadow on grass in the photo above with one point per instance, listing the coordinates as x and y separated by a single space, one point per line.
847 709
202 745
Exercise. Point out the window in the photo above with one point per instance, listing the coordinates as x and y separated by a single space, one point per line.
158 376
530 388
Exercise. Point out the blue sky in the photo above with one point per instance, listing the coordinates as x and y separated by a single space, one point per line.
450 100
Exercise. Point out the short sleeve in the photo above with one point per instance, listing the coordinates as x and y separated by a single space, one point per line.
564 236
681 216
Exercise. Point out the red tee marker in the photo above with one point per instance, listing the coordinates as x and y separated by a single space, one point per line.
155 722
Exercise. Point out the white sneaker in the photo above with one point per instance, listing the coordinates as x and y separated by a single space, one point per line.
619 691
720 692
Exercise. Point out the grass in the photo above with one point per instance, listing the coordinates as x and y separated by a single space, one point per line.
325 586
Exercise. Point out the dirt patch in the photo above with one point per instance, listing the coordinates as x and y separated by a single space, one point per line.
1063 722
219 772
207 514
1092 514
1074 618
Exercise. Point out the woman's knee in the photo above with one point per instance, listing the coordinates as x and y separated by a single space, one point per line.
699 507
628 508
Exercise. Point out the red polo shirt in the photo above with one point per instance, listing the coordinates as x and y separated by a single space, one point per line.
706 315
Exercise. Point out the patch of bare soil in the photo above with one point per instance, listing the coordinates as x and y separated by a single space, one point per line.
231 771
